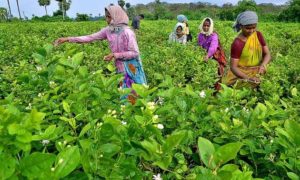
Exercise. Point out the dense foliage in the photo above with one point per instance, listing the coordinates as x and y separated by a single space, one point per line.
61 114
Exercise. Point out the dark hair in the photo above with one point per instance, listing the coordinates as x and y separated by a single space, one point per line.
142 16
180 27
207 20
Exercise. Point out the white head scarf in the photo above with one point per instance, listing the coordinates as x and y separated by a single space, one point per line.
211 27
178 25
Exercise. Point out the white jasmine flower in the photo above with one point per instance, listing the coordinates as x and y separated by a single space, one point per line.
155 117
202 94
101 155
109 111
157 177
45 142
272 157
28 107
39 68
124 123
123 107
245 109
52 169
151 105
160 101
227 109
113 112
160 126
120 89
52 84
40 95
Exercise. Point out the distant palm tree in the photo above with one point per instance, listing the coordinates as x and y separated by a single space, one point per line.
3 14
44 3
10 15
19 9
64 6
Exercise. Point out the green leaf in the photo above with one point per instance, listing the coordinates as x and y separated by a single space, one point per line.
66 106
140 90
230 167
42 52
7 166
77 58
110 67
293 176
259 113
67 161
38 58
85 144
36 118
164 162
293 129
206 151
83 71
85 129
227 152
174 140
49 132
48 48
24 137
294 92
109 149
13 128
152 149
37 165
181 104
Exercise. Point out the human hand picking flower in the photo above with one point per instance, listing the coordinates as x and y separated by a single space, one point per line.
206 58
60 41
254 80
262 69
109 57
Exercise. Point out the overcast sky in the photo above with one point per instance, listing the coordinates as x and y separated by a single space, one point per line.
94 7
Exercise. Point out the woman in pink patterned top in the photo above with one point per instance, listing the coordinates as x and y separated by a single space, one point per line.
123 44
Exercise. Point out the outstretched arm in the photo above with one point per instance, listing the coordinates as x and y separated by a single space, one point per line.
83 39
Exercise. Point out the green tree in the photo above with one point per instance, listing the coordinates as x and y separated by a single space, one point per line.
159 10
44 3
64 6
245 5
227 12
292 13
130 10
82 17
121 3
3 14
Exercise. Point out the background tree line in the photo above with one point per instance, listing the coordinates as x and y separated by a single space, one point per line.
161 10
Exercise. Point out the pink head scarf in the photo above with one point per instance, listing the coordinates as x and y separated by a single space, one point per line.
118 16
